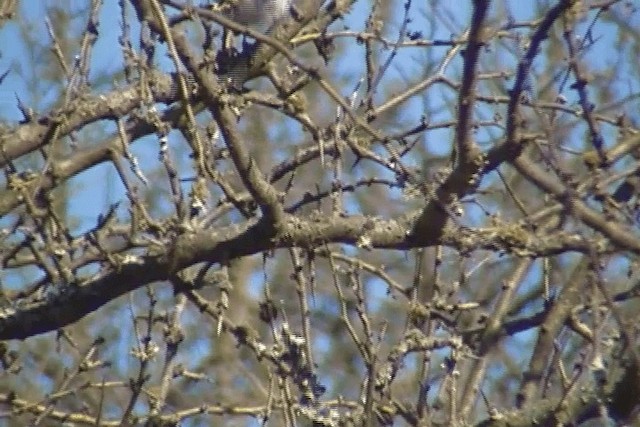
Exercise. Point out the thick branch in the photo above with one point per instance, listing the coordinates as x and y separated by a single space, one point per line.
75 301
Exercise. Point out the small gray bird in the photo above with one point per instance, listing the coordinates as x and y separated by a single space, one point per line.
258 14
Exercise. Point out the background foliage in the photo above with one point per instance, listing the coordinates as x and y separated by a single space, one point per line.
372 213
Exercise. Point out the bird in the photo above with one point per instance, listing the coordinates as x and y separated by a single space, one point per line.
256 14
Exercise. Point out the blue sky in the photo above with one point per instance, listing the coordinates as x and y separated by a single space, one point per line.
95 189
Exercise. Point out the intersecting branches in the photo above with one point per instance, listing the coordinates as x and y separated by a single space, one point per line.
345 218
